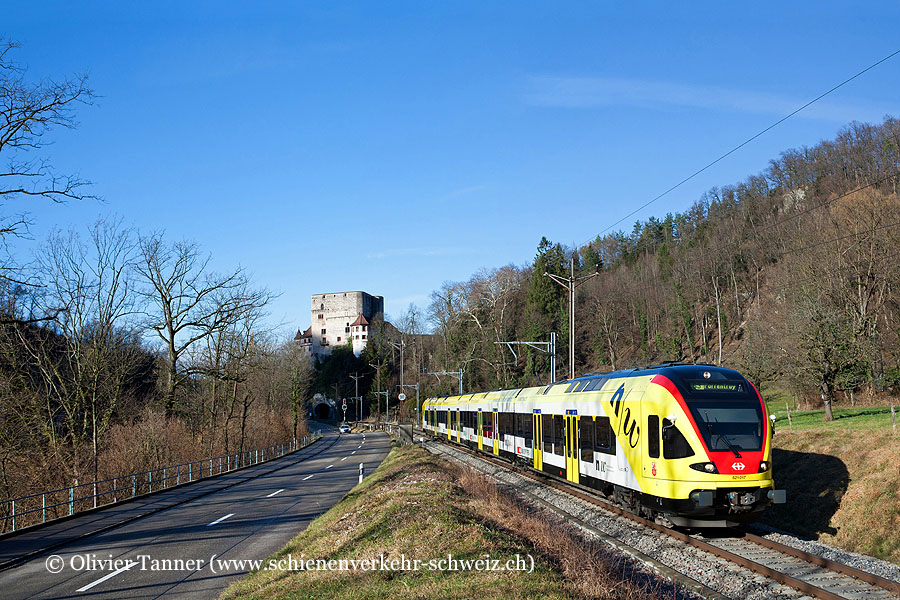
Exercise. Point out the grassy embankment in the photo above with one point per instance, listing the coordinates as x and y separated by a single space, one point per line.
842 478
420 507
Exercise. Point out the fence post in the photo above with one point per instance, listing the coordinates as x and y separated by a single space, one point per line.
178 475
95 494
14 514
43 508
71 500
151 480
190 472
133 485
115 491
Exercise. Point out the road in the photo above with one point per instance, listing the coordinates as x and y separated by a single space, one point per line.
251 519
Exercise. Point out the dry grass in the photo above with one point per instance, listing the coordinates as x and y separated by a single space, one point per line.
843 488
589 569
421 507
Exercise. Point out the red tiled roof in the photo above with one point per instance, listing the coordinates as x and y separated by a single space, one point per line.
360 320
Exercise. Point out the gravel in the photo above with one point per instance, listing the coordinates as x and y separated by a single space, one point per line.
725 578
870 564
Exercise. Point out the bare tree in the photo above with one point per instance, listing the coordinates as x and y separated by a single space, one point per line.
28 111
87 288
188 302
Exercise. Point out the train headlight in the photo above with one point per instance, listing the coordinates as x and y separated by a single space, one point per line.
763 466
705 467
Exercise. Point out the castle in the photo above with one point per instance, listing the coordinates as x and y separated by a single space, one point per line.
337 319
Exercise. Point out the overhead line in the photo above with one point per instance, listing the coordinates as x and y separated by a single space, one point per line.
748 140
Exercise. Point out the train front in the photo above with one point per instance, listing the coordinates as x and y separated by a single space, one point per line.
728 478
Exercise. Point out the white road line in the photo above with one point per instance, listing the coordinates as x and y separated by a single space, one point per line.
273 493
345 458
221 519
105 577
358 447
354 452
308 476
328 467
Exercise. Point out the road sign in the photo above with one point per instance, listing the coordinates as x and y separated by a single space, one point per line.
401 397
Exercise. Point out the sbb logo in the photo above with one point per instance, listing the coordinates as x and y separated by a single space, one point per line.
738 466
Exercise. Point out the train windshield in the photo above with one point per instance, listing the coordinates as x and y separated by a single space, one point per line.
729 427
727 412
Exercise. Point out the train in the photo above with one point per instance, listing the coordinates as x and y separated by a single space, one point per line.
690 444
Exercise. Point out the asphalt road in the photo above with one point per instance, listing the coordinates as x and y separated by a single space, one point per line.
249 520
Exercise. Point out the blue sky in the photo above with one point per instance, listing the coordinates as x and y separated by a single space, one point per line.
389 147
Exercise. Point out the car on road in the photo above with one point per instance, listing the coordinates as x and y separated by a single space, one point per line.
344 428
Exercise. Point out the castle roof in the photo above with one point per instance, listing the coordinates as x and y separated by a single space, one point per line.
305 334
360 320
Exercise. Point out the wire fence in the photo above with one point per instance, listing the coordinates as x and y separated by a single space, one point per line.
42 507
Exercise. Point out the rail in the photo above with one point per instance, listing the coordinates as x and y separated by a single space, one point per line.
24 511
807 587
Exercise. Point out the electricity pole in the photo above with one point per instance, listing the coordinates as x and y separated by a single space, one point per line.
400 347
377 366
415 385
570 284
356 377
378 401
548 347
458 374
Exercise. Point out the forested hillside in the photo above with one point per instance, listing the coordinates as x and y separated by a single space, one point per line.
789 275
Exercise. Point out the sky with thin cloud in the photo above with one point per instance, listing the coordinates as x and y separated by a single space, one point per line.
390 147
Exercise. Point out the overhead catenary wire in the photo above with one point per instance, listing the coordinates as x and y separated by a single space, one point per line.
745 142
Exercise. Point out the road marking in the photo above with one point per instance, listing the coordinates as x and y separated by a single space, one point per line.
221 519
105 577
273 493
358 447
354 452
345 458
308 476
328 467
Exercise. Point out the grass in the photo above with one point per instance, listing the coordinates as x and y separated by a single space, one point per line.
419 507
843 483
863 418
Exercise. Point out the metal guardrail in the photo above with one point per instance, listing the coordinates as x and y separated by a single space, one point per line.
388 427
23 511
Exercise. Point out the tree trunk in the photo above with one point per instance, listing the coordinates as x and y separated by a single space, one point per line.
715 282
827 397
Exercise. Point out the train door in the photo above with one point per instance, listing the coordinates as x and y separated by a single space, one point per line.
538 439
458 426
496 431
449 424
480 431
572 446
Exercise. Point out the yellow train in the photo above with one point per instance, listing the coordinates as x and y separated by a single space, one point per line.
688 442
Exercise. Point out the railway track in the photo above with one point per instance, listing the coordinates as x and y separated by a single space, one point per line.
809 574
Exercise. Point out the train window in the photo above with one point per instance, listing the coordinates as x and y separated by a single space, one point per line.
596 384
586 438
525 429
547 433
487 425
559 432
674 443
653 436
604 441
